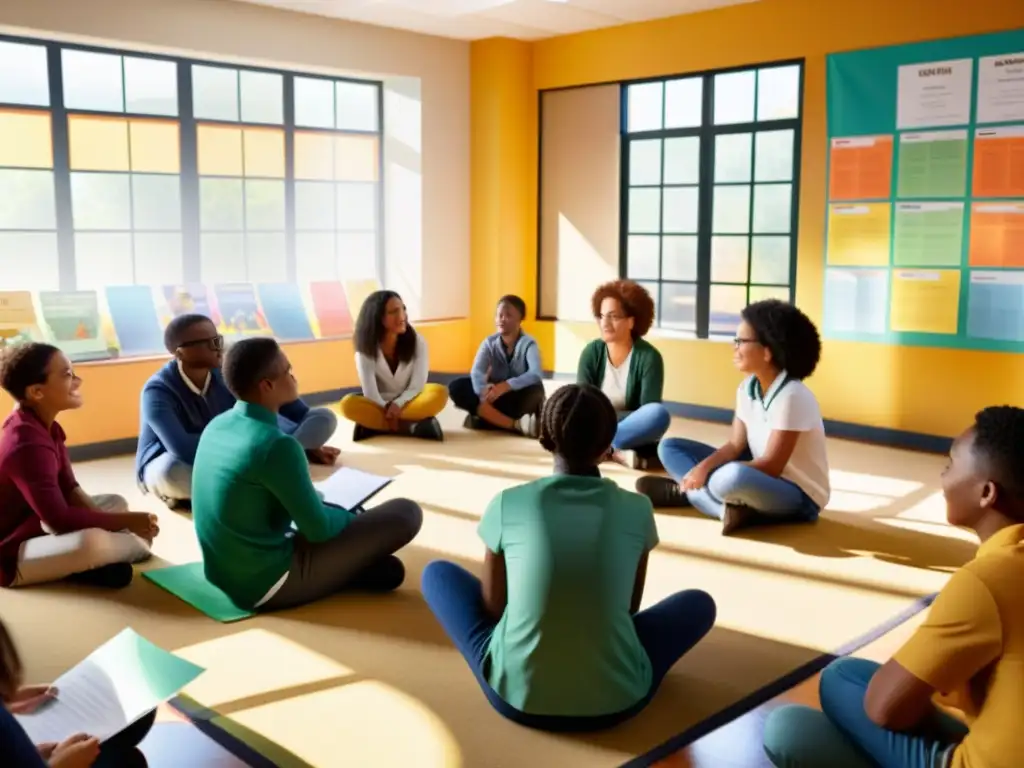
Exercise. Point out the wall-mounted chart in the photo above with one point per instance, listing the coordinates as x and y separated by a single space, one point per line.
925 229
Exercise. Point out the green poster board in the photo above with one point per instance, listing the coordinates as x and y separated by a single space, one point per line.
925 220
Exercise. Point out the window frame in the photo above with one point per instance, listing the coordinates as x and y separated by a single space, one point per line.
707 133
188 173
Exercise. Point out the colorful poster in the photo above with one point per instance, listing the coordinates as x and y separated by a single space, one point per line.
285 311
933 94
72 322
133 314
239 311
860 168
330 309
357 292
997 235
856 301
928 235
1001 88
995 306
932 164
999 162
925 301
18 322
191 299
858 235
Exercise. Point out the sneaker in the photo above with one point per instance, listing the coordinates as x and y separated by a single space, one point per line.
528 425
472 422
384 575
662 491
736 517
428 429
113 576
179 505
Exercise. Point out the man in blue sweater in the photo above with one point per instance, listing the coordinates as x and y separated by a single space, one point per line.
183 397
504 390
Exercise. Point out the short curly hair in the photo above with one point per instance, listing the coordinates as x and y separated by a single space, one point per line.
24 365
999 443
635 300
578 423
249 362
790 335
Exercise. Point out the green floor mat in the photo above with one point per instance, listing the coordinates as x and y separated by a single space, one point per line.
187 582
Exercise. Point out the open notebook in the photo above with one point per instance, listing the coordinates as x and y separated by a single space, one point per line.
350 488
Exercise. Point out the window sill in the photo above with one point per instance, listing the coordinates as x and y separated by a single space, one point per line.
671 335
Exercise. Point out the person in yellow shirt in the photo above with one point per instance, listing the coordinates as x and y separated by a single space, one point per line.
968 654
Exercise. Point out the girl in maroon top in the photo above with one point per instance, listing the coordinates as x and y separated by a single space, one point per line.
50 528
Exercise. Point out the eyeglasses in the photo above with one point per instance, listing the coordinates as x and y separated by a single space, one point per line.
612 317
739 341
216 343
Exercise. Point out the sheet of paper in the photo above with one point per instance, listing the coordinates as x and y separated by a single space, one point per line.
999 162
997 235
118 683
995 305
856 300
933 94
933 164
929 235
858 235
1001 88
860 168
348 488
925 301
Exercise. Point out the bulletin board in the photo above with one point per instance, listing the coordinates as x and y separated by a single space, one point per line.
925 229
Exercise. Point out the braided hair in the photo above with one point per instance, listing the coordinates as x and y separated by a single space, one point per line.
578 423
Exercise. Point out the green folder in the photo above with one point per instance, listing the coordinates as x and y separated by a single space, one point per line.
188 582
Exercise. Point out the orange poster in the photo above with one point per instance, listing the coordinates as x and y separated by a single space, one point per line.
997 235
860 168
999 162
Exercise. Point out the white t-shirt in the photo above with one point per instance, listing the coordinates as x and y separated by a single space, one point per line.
789 406
614 382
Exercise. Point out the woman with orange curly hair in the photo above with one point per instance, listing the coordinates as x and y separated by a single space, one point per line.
628 370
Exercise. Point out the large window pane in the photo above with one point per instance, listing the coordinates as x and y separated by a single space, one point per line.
215 93
729 259
356 106
679 258
98 143
644 211
314 156
156 202
645 162
101 201
770 260
731 213
678 306
150 86
778 93
265 258
734 97
734 156
356 158
221 205
357 255
315 257
643 252
28 261
644 107
314 102
679 209
220 151
92 81
314 205
262 97
155 146
27 200
222 258
684 103
264 152
158 258
24 74
763 292
725 305
25 139
682 160
102 259
357 206
773 157
264 205
773 208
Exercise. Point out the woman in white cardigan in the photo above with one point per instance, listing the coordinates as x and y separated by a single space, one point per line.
392 363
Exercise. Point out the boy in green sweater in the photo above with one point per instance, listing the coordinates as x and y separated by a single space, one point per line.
268 540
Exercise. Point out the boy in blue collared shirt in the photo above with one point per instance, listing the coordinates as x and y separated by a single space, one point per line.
504 389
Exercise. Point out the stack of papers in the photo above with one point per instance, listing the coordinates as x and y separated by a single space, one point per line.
351 488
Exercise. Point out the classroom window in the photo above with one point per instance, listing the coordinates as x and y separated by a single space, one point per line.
710 173
119 168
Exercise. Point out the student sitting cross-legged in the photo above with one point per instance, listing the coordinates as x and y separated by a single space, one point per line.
968 654
505 389
392 363
50 528
554 632
181 398
268 540
775 466
628 370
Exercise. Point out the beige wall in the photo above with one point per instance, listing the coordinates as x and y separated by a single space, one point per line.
427 144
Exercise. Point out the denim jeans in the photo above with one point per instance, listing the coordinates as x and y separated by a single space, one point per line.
666 631
643 427
735 483
842 735
315 429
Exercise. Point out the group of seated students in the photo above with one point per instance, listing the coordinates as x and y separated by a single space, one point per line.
552 628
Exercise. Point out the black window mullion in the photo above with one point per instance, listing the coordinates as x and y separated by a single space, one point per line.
753 189
624 200
705 208
291 257
795 190
191 241
66 267
381 252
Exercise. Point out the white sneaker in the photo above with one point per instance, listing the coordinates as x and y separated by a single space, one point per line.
528 424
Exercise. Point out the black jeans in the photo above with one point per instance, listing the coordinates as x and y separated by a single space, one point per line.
515 403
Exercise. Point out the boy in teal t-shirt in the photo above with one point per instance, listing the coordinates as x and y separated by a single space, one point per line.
553 631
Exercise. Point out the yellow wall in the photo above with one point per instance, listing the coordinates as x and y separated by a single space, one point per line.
923 390
111 388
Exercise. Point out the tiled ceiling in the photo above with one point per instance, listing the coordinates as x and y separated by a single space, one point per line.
479 19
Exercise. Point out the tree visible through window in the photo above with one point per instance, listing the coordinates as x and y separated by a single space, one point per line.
710 176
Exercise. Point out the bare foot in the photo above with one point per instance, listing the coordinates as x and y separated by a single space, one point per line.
325 455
